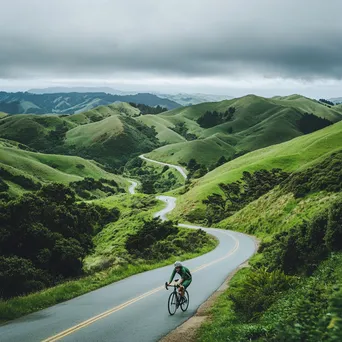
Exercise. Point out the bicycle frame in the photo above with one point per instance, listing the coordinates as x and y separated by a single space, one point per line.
183 304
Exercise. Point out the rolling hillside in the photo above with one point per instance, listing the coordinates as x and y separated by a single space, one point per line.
256 123
45 168
69 103
290 156
108 134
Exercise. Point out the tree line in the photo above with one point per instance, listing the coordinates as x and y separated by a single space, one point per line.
44 237
211 119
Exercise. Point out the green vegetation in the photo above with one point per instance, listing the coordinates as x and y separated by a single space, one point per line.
211 119
72 102
107 134
238 194
307 308
112 140
327 102
44 237
181 129
136 213
234 127
292 291
288 156
291 294
144 109
110 259
154 178
20 165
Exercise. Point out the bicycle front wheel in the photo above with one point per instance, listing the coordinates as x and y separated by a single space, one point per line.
185 303
172 303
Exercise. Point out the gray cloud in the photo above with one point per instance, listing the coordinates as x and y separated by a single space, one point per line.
206 38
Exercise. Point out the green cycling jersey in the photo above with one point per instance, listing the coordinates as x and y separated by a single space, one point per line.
184 272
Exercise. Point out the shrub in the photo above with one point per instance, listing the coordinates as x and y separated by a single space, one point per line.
258 292
44 237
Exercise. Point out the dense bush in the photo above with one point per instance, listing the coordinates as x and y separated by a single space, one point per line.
195 169
238 194
327 102
151 180
87 184
258 292
157 240
25 182
44 237
145 109
326 175
151 232
211 119
310 123
301 249
3 186
182 130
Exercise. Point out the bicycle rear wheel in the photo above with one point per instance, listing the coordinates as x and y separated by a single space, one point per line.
185 304
172 303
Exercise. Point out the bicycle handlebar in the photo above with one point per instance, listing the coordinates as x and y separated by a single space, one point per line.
174 285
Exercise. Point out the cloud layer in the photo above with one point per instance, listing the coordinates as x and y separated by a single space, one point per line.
156 38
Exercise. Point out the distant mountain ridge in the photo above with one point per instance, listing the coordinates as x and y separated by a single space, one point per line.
336 100
70 103
188 99
107 90
185 99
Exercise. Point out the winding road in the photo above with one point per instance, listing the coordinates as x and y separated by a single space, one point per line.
134 309
132 187
180 169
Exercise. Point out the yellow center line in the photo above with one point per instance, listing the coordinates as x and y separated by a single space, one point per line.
136 299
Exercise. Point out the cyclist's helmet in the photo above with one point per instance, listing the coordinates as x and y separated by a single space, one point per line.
178 264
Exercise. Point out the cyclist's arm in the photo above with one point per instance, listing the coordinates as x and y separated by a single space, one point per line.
172 276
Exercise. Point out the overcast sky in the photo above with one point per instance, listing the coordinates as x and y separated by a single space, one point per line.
231 47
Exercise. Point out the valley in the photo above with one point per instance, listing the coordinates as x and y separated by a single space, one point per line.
269 167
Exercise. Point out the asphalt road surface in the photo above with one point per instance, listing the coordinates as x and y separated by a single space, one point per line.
134 309
132 187
180 169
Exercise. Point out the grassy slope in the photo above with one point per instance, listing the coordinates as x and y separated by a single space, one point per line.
179 178
51 168
258 123
2 115
102 112
165 133
205 151
95 132
106 133
289 156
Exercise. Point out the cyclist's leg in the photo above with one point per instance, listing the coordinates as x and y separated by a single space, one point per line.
185 284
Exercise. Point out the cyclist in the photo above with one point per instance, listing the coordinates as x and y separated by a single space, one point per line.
185 274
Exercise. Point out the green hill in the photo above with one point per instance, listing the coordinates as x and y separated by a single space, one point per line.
256 122
72 102
108 134
103 112
45 168
112 140
289 156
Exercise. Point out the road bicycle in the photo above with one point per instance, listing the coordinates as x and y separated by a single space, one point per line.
175 301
